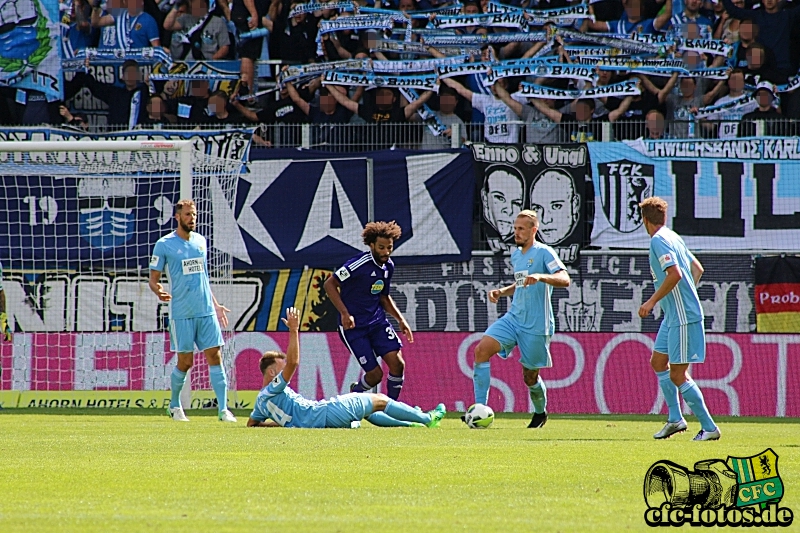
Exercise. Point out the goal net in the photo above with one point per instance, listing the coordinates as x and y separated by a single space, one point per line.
78 222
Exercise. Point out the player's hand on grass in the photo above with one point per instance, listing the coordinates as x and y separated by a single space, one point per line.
494 295
292 320
646 309
348 321
222 314
531 279
163 295
405 329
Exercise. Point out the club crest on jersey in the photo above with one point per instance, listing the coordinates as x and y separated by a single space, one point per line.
377 287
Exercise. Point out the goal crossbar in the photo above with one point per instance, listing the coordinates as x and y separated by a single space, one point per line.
183 146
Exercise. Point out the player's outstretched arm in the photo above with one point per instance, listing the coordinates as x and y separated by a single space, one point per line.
505 292
292 321
560 279
157 288
673 277
332 290
390 307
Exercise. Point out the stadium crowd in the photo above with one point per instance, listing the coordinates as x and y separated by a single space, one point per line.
713 94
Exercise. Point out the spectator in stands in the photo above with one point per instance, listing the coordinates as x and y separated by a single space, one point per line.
726 27
679 106
384 110
155 113
501 124
691 14
124 103
190 110
730 118
296 37
539 128
197 32
327 116
448 100
74 121
582 126
81 34
249 15
776 26
631 124
761 68
656 130
633 20
328 112
775 126
220 112
748 35
131 28
340 45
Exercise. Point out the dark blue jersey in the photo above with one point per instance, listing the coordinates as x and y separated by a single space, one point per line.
363 281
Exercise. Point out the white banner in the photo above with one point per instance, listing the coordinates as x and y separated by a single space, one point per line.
741 194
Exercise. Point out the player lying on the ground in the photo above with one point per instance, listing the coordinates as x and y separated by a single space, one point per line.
278 405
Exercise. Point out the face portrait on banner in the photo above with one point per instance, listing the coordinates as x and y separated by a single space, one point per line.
502 197
549 179
557 204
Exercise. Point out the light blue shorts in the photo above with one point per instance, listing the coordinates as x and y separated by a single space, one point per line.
684 344
534 349
203 332
347 408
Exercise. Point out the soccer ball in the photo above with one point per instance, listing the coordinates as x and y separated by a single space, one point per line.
478 416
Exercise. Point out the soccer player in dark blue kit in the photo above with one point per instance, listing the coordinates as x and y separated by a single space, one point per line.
360 292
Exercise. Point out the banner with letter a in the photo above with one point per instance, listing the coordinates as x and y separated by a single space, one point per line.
778 294
741 194
306 208
549 179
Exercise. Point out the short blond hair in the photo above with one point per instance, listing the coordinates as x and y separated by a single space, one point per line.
530 215
654 210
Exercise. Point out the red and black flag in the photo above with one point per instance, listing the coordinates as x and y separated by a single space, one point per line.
778 294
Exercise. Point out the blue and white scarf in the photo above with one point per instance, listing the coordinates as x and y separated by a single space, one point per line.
619 90
315 6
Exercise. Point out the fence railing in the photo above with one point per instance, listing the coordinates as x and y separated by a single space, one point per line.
359 136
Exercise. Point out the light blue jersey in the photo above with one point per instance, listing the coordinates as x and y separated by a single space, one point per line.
682 305
278 402
532 307
188 274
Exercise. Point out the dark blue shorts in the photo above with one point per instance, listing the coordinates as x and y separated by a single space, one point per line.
368 343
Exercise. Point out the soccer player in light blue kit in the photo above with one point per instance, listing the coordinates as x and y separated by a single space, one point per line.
529 323
278 405
194 315
681 338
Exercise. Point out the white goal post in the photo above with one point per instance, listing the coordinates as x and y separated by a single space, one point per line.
78 222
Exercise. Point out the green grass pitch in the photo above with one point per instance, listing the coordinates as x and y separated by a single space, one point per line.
79 471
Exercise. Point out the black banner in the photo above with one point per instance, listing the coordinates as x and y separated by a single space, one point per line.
552 180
